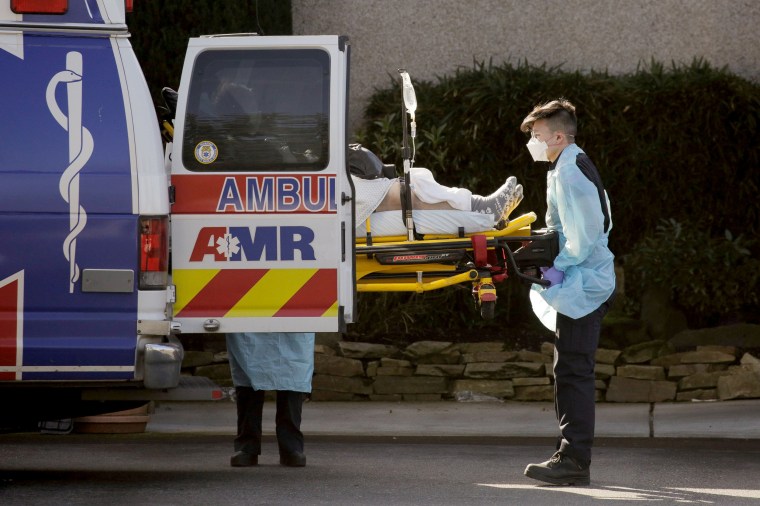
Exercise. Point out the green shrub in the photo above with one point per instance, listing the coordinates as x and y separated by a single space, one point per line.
710 277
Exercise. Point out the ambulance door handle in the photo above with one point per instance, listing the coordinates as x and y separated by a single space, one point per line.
344 199
211 325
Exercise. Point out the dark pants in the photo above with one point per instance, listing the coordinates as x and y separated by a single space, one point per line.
575 347
250 407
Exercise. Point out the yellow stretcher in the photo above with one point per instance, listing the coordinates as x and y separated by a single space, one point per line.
395 264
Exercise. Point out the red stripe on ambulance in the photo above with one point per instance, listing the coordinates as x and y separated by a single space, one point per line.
222 292
315 297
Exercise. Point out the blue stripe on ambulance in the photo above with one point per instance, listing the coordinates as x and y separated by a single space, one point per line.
97 331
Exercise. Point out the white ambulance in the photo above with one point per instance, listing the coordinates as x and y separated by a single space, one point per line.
261 226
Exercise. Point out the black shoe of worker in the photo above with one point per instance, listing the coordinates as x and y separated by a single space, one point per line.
297 459
560 470
244 459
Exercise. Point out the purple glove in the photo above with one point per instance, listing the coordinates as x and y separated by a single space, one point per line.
552 275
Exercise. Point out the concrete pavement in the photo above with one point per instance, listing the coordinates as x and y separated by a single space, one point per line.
736 419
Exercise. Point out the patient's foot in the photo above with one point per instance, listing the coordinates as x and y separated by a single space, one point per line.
517 196
499 201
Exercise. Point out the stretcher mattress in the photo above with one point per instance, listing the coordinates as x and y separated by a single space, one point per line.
426 221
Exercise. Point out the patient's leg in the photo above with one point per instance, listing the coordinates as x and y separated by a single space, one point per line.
392 201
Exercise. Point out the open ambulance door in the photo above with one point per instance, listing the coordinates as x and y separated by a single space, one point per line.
262 219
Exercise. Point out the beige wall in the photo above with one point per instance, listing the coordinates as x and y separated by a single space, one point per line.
433 37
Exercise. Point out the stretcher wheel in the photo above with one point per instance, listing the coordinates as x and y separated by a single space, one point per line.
488 309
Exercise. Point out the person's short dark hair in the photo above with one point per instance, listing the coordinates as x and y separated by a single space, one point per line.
560 114
365 164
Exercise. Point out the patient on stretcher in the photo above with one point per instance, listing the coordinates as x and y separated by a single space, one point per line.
436 209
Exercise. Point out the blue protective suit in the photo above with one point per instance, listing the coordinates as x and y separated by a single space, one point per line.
272 360
574 210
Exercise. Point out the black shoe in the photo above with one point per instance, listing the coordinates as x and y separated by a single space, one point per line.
297 459
243 459
559 470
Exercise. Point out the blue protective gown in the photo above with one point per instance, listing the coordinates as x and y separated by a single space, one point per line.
272 360
574 210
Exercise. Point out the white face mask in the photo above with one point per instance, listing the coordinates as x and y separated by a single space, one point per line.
538 150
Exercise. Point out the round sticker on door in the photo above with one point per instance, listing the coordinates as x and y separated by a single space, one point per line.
206 152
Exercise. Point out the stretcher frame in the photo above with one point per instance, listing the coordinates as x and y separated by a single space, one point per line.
436 261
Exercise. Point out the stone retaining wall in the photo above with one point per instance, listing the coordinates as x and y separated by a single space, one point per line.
649 371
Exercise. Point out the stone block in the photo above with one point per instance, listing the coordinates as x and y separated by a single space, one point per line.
449 357
636 390
410 385
701 380
222 356
644 372
323 350
532 356
679 371
372 368
426 348
667 360
707 357
394 362
345 384
547 349
525 382
506 370
750 361
534 393
350 349
600 385
337 366
489 356
394 371
449 370
604 371
642 352
487 347
607 356
730 350
740 385
495 388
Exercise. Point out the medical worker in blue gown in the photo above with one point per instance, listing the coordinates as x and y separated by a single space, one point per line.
582 284
260 361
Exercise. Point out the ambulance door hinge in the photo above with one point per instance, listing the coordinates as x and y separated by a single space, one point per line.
171 194
342 42
344 199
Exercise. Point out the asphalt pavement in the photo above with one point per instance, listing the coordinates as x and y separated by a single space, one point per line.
735 419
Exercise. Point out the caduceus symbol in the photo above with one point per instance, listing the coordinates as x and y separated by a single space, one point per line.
80 150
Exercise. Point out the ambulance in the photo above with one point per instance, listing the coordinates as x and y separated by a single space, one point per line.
238 215
90 300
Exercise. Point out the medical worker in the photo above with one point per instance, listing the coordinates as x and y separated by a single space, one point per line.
582 284
260 361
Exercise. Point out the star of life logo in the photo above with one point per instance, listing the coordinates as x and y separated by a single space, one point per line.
228 245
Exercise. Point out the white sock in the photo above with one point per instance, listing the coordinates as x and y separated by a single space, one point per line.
498 201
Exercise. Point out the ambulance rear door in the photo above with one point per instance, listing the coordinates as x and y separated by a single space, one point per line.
262 230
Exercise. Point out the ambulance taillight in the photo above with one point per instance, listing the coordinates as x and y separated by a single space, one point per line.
39 6
154 252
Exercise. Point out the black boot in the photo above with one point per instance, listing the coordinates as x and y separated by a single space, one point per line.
250 406
288 427
561 469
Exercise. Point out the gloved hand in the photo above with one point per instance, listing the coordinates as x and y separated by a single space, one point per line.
552 275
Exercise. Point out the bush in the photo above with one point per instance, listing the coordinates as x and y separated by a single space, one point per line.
710 278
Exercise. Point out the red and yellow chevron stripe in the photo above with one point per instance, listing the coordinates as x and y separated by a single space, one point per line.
249 293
